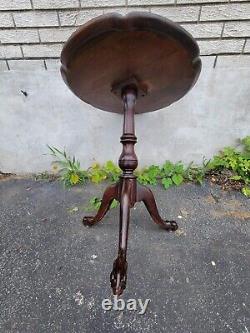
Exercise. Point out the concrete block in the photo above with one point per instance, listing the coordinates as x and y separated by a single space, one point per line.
230 11
42 50
233 61
36 19
237 29
6 20
102 3
53 65
125 10
55 4
10 51
220 46
149 2
75 18
55 34
199 1
26 65
247 46
207 62
14 4
204 30
3 66
18 36
179 14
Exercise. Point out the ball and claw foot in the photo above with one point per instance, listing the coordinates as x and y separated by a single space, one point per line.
88 221
171 225
118 276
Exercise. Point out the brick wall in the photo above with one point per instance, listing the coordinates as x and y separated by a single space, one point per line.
32 32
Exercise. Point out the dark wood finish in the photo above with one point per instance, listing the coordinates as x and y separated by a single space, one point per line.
111 49
127 192
115 60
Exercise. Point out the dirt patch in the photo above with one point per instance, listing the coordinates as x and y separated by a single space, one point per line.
5 175
241 215
223 178
210 199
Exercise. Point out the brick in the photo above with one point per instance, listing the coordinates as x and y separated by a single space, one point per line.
55 4
102 3
208 47
149 2
10 51
208 61
237 29
247 46
225 12
3 66
36 19
14 4
204 30
19 36
53 64
55 34
199 1
26 65
72 18
179 14
39 51
125 10
6 20
233 61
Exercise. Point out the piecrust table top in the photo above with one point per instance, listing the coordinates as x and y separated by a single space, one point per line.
143 47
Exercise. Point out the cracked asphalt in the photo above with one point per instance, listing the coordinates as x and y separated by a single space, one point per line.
55 272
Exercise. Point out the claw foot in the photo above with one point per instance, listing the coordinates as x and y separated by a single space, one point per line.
171 226
118 276
88 220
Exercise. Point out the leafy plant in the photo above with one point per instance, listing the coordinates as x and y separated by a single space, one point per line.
246 191
112 171
69 169
238 162
245 142
234 163
172 174
196 173
96 173
149 175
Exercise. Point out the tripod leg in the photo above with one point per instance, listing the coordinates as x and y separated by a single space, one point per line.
109 195
118 276
145 194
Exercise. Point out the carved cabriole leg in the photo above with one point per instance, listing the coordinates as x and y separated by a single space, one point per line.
145 194
109 195
118 276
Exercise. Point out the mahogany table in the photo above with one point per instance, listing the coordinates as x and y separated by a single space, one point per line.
129 64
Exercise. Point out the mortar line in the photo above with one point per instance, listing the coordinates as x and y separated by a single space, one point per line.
7 64
58 18
22 51
215 61
199 15
222 30
244 45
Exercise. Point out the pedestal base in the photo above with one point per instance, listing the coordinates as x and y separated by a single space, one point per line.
127 191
